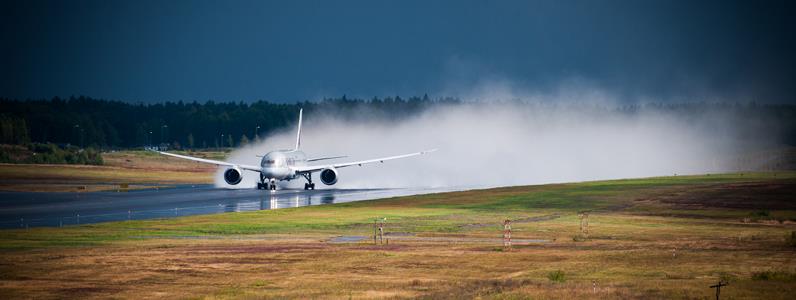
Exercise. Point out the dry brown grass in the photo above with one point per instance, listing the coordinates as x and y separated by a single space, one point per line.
305 267
641 245
139 160
74 187
131 168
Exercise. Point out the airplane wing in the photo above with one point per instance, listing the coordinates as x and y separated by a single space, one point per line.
310 169
215 162
325 158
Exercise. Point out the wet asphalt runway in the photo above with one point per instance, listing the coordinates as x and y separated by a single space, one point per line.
21 210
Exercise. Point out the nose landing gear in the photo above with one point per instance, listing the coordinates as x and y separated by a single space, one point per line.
266 184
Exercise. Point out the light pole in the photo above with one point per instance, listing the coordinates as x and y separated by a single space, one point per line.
164 131
75 133
149 138
256 131
222 141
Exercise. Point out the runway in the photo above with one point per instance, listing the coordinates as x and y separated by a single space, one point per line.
23 210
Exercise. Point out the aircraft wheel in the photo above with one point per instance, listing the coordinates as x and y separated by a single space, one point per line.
312 186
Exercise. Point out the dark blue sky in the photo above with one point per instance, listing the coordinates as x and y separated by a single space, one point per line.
287 51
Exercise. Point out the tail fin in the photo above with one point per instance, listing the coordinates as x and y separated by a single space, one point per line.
298 134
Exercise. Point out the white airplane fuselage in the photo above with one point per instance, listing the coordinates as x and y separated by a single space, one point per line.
280 164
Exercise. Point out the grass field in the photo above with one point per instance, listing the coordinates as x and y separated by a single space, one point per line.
668 237
132 168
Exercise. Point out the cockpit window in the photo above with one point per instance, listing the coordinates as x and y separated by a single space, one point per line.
269 162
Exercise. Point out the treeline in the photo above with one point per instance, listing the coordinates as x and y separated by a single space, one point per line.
105 124
13 130
98 123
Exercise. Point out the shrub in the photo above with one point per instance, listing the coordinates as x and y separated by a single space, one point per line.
774 275
40 153
557 276
760 214
727 277
790 240
579 238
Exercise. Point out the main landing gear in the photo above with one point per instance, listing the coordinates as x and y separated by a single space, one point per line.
266 184
309 185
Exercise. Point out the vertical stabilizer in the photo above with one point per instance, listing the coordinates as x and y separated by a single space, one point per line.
298 134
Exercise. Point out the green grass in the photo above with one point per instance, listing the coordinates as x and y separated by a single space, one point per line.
774 276
637 247
436 213
557 276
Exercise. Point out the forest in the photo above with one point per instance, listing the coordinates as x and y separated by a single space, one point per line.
101 124
107 124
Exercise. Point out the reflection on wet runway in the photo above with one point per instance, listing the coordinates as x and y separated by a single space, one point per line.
22 210
276 201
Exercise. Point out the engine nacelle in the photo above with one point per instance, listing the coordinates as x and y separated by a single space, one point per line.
232 176
329 176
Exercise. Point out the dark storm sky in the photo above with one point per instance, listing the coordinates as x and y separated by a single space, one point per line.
286 51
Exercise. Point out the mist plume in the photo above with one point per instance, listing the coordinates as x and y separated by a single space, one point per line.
488 144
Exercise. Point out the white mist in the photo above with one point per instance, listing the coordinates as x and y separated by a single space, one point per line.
503 144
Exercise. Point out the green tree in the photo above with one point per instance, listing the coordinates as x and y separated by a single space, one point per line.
21 132
6 131
140 136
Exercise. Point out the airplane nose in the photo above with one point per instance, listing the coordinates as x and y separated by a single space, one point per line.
268 172
277 173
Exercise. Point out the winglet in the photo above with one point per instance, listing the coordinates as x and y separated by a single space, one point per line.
298 134
428 151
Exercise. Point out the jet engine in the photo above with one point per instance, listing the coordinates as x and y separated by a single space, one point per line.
329 176
232 176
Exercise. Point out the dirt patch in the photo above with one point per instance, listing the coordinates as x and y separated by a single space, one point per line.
79 292
777 195
253 249
240 260
537 219
384 247
400 234
471 289
523 220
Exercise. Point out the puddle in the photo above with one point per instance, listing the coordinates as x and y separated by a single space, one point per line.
347 239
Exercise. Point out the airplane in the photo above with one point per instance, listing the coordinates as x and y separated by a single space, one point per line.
286 165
